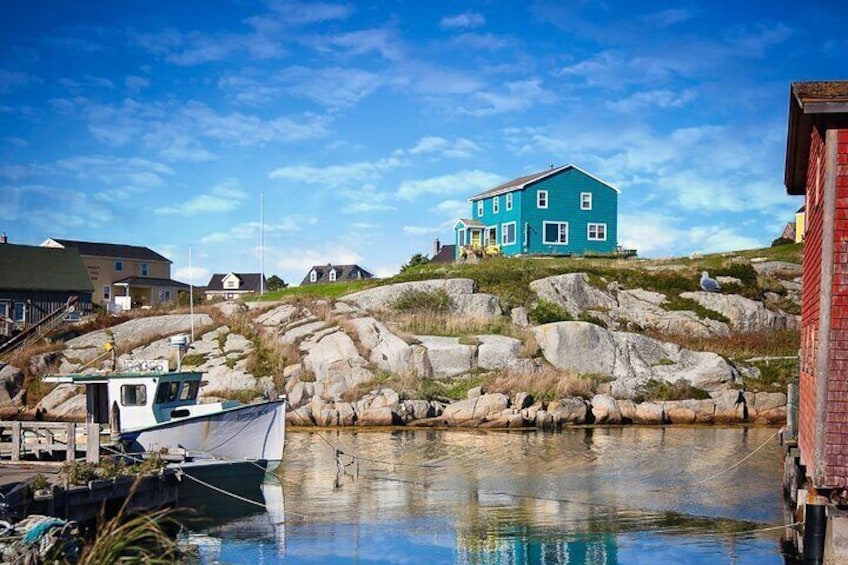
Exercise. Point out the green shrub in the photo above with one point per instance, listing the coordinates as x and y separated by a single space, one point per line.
431 301
680 303
545 312
592 319
657 390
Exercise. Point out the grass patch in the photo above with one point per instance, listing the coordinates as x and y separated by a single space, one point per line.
412 301
447 325
674 302
659 391
328 290
545 312
194 359
245 396
592 319
546 384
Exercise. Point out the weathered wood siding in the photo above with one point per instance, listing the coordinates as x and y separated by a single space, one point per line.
39 304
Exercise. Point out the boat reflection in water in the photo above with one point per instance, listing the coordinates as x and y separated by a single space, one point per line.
585 496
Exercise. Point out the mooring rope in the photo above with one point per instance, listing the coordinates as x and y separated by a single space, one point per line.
339 451
723 471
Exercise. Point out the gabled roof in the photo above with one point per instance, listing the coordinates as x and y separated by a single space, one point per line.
445 255
110 250
469 223
522 182
343 273
27 267
810 103
250 282
151 282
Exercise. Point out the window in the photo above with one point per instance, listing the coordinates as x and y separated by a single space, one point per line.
189 391
461 237
555 233
167 392
508 233
119 265
4 309
479 208
496 204
165 295
509 201
332 274
313 275
144 269
19 312
107 292
542 199
133 395
596 232
585 200
492 235
232 283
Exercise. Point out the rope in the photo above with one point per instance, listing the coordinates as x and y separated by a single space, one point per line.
220 490
339 451
722 472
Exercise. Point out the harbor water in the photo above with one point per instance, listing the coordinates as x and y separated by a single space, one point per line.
598 496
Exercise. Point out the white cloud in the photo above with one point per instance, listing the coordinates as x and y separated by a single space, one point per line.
458 148
464 182
336 175
250 230
650 99
136 83
514 96
362 42
224 197
192 275
465 20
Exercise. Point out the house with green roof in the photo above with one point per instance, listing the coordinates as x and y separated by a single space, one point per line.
561 211
36 281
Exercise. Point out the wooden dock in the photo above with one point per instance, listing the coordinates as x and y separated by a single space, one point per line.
26 441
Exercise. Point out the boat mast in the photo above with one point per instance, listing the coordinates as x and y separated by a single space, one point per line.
261 243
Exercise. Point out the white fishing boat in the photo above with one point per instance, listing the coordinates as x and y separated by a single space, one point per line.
152 409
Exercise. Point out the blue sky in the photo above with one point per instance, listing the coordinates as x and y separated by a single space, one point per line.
368 125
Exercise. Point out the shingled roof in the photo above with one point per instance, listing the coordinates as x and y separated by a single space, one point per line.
522 182
111 250
810 103
28 267
249 282
343 273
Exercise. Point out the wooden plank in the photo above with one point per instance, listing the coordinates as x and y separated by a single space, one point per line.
72 443
16 441
92 443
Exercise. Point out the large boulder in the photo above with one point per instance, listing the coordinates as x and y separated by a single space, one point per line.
336 364
573 292
11 380
745 315
137 330
447 356
388 351
224 379
501 352
465 301
568 411
645 309
475 409
278 316
605 409
630 359
778 269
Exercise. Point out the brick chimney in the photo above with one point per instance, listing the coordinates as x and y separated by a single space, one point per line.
437 246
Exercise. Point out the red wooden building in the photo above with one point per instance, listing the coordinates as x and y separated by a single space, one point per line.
817 167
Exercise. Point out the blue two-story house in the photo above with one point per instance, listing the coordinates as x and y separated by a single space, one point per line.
561 211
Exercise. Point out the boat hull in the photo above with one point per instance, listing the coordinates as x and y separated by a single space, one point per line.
250 432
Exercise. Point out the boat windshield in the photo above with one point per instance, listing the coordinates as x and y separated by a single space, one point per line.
171 391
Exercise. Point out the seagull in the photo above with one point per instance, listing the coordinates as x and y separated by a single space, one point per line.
708 284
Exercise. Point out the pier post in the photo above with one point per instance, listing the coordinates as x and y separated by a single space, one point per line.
92 443
16 441
71 444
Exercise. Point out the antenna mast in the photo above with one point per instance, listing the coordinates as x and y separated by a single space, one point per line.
261 243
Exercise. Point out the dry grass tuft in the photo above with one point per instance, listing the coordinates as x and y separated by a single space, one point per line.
434 323
547 383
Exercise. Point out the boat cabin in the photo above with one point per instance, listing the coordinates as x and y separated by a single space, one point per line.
142 394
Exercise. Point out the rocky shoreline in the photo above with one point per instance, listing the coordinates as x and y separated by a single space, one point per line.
340 362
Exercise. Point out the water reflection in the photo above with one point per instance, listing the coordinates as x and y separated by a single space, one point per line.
593 496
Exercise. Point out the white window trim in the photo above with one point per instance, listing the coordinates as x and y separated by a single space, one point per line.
479 208
107 292
23 312
539 199
332 275
527 234
504 233
508 198
596 226
313 276
584 204
460 236
496 204
545 233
